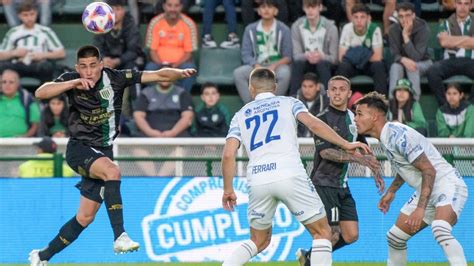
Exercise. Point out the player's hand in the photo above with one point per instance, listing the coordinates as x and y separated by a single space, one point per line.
350 147
385 201
84 84
229 200
415 219
19 52
379 182
188 72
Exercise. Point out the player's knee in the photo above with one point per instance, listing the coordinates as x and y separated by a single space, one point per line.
441 231
323 231
85 218
397 239
350 237
262 243
112 173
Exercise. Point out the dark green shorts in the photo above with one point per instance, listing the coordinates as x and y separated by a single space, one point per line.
339 204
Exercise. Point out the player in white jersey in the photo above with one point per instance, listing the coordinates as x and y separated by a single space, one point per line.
440 193
267 128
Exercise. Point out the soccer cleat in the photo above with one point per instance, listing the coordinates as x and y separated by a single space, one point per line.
35 259
232 42
302 257
124 244
208 42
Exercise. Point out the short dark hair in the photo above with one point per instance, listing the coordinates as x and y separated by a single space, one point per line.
406 6
375 100
311 77
209 85
312 2
454 85
263 79
26 6
88 51
360 8
269 3
116 2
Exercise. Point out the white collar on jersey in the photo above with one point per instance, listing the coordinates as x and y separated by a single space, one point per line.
264 95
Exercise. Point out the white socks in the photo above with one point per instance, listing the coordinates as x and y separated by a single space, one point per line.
451 247
397 246
321 252
242 254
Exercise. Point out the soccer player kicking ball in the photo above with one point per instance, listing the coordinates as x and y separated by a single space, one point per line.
267 128
440 191
95 98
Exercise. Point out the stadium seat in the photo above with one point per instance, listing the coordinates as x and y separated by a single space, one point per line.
431 7
71 7
217 65
28 82
362 80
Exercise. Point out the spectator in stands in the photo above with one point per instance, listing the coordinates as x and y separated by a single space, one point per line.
171 38
233 41
212 119
267 43
54 118
29 47
164 111
121 47
10 7
315 41
19 112
43 168
457 38
389 8
409 48
313 97
455 119
361 49
248 13
405 109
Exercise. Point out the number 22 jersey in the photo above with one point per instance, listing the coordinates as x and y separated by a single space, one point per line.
267 128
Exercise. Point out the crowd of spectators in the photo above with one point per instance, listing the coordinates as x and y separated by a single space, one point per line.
292 38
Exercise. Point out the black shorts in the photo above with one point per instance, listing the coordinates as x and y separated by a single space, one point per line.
339 204
80 158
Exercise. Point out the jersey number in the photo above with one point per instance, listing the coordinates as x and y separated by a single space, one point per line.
248 124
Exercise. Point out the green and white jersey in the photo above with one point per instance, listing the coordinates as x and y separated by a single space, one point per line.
267 50
312 41
38 39
465 30
94 115
372 37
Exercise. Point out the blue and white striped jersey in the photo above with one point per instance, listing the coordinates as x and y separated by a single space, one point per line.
267 128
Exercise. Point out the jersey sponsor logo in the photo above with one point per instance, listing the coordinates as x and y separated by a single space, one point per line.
188 222
106 93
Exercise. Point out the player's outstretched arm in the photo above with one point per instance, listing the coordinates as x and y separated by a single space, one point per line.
323 131
229 199
167 74
51 89
368 160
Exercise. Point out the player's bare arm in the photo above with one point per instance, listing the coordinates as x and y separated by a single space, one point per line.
229 199
389 196
367 160
167 74
323 131
51 89
428 174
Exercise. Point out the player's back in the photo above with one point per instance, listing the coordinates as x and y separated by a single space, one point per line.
402 145
267 128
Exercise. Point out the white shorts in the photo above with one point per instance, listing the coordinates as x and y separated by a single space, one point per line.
297 193
450 191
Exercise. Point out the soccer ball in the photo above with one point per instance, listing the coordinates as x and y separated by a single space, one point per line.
98 18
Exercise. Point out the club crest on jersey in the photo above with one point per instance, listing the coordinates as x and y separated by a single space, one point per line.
106 93
353 129
215 117
248 112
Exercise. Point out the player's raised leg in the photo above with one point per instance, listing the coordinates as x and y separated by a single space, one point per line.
259 240
69 232
442 226
106 170
397 238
